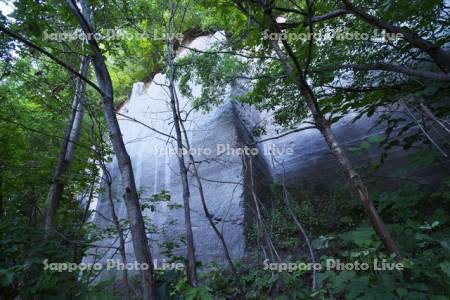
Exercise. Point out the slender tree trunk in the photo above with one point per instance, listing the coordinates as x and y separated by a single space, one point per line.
303 234
79 251
138 234
339 154
71 138
439 55
357 185
191 270
1 188
116 223
259 217
205 207
295 71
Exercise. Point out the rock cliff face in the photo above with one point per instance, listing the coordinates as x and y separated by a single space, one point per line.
232 181
215 139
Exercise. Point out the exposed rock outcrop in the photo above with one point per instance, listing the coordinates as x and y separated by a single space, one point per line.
232 181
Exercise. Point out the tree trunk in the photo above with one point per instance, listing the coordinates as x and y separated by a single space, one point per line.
357 185
191 270
71 138
324 127
206 210
138 234
1 188
344 163
116 222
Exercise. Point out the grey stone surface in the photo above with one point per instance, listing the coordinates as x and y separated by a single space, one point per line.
226 177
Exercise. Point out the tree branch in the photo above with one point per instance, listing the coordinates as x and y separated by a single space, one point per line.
441 57
391 68
285 134
316 19
54 58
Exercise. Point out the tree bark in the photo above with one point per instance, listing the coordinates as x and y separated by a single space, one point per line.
295 72
71 138
344 163
1 188
139 237
116 222
206 210
191 270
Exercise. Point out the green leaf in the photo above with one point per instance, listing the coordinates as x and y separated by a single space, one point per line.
340 281
445 267
322 277
357 287
375 139
445 243
321 242
6 277
362 236
439 297
401 291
